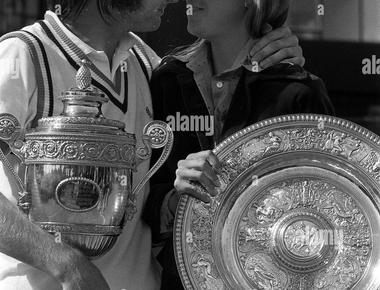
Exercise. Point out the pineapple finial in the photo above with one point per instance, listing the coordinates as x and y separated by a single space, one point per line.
83 76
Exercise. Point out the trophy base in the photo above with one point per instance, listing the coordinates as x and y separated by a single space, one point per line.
92 240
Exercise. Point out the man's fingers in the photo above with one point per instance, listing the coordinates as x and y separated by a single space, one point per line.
273 47
266 28
296 60
279 33
281 55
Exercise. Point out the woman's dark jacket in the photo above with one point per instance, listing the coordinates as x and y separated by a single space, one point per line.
279 90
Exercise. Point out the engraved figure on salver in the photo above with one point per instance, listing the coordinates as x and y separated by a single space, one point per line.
260 268
204 273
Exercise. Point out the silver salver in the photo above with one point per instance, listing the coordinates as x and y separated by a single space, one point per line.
298 209
77 178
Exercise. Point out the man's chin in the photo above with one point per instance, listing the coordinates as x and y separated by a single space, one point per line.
149 26
195 31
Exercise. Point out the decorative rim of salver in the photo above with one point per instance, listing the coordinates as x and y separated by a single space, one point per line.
301 117
320 123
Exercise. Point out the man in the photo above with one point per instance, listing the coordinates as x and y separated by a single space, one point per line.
99 31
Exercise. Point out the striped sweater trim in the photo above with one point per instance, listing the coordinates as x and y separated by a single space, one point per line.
139 48
101 86
141 63
42 70
77 54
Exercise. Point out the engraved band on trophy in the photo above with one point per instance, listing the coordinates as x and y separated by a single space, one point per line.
78 175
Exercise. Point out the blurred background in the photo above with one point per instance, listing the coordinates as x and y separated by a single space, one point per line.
336 36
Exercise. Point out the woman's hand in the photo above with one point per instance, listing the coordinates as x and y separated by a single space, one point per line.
201 167
277 46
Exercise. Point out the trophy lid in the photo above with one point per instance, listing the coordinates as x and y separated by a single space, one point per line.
82 107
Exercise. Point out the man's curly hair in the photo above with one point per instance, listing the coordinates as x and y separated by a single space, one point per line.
73 8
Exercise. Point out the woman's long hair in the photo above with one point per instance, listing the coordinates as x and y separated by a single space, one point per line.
260 13
263 12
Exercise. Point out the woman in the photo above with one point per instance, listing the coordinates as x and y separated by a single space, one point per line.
215 77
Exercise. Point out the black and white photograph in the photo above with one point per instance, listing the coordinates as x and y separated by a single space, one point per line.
189 144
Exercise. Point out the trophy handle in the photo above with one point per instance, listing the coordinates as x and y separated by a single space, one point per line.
157 134
13 135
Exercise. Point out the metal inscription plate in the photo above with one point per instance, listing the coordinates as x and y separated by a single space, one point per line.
298 209
78 194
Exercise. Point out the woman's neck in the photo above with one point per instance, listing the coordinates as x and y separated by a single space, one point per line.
225 49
